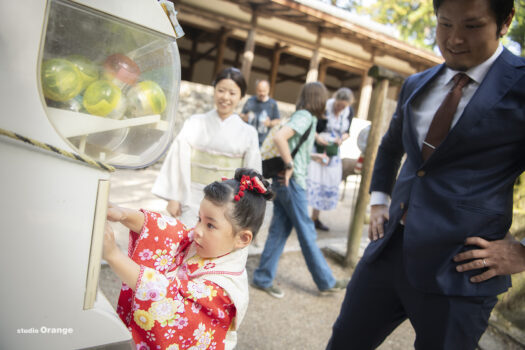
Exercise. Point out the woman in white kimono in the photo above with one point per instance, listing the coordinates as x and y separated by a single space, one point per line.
324 178
209 146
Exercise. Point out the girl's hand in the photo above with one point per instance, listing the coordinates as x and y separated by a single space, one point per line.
115 213
110 246
174 208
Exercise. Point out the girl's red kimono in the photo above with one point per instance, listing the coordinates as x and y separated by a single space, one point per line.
182 301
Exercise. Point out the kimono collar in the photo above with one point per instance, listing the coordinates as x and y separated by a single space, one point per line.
230 264
214 114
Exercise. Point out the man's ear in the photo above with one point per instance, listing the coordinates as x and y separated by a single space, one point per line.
506 24
243 239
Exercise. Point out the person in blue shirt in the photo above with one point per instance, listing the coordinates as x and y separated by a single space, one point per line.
260 110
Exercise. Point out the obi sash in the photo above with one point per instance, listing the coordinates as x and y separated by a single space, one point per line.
207 167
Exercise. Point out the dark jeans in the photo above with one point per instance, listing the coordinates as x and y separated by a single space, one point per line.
379 297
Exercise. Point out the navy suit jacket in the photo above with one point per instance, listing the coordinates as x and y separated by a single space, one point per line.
464 189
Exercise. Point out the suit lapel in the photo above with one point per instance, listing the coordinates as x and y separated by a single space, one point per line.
500 78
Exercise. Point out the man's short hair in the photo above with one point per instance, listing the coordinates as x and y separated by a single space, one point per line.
258 81
501 9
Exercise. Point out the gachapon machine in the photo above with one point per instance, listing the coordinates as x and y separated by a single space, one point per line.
85 86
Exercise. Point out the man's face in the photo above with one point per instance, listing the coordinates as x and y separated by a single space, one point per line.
467 32
262 90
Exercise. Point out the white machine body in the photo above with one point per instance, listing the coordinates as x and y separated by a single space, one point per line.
53 207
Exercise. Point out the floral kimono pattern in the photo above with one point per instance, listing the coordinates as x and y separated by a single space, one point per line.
170 309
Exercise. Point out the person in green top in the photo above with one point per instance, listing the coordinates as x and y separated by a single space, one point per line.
290 205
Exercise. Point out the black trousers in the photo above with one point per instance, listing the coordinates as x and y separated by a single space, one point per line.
379 297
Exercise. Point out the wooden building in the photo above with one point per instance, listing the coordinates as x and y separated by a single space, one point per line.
290 42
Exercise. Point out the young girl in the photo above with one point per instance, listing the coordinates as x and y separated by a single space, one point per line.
188 289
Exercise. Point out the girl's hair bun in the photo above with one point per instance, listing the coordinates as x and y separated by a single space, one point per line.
240 172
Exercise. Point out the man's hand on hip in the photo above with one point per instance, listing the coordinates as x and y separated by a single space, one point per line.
378 216
502 257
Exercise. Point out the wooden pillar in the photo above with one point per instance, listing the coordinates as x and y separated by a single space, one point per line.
249 48
277 50
365 96
355 231
378 116
313 72
221 46
237 58
193 57
323 66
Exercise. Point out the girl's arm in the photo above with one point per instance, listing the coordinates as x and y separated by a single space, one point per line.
126 269
132 219
281 142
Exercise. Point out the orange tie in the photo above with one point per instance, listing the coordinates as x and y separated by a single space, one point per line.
442 121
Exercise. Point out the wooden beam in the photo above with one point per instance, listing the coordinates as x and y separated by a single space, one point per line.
278 49
313 71
323 66
193 55
365 96
376 38
300 78
206 53
345 29
360 64
221 42
248 54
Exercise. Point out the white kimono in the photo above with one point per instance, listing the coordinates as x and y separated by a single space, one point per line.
206 149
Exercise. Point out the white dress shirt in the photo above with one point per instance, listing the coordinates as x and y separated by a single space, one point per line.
424 106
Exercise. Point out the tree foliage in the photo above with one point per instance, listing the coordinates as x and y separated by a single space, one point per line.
415 20
517 30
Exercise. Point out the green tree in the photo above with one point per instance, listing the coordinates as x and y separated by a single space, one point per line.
517 30
415 20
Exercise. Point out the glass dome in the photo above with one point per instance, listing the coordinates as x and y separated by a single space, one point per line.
110 86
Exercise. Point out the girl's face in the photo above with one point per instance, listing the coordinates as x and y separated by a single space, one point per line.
214 234
227 96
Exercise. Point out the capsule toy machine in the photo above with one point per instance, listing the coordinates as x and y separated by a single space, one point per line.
86 86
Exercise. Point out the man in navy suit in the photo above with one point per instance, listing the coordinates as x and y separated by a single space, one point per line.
452 194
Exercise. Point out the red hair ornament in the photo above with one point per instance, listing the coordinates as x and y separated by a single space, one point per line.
249 184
